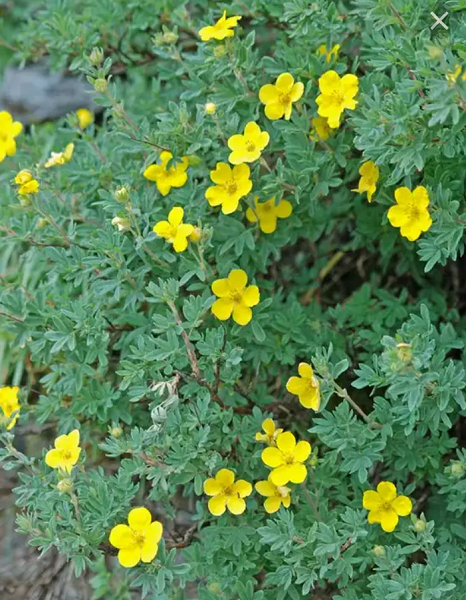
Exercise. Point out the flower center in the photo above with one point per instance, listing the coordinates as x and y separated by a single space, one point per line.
338 96
232 188
386 506
284 99
66 454
250 146
414 212
236 297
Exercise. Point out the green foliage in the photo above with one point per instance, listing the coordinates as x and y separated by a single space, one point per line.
112 332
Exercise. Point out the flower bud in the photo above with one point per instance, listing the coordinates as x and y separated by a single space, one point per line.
100 85
41 223
435 52
404 352
122 223
64 485
219 51
378 551
215 587
116 432
195 235
170 37
210 108
420 525
458 469
96 56
122 194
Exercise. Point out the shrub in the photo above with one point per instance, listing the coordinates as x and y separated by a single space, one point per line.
231 295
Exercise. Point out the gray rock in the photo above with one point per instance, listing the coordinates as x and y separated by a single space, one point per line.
34 94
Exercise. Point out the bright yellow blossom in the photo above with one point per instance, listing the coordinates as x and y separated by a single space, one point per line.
271 433
320 129
385 506
85 117
411 213
287 459
329 54
279 98
247 147
336 95
268 212
276 495
306 387
166 178
66 452
139 540
231 186
369 172
9 129
226 493
222 29
174 230
234 297
9 404
60 158
26 182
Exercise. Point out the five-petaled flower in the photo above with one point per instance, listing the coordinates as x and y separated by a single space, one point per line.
369 172
9 129
166 178
306 387
337 93
271 433
268 212
85 117
174 230
66 452
26 183
222 29
287 459
279 98
329 54
234 297
411 213
320 130
231 186
9 404
138 540
226 493
60 158
276 495
247 147
385 506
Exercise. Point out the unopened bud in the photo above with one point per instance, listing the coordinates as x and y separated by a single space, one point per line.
64 486
210 108
170 37
435 52
96 56
458 469
100 85
116 432
122 194
41 223
404 352
195 235
215 587
378 551
420 525
122 223
219 51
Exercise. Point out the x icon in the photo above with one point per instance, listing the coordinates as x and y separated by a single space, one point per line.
439 21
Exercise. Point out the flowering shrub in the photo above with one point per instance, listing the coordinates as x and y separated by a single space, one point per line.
234 309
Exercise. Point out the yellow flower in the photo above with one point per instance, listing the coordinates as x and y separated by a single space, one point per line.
336 95
271 433
165 179
329 54
320 129
226 493
411 213
26 182
222 29
369 172
278 98
287 459
9 404
234 297
276 495
66 452
139 540
9 129
122 223
196 235
85 117
268 212
247 147
210 108
306 387
231 186
60 158
452 76
385 506
174 230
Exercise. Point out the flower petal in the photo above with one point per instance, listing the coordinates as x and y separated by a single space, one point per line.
296 91
284 209
129 557
222 173
222 308
272 504
296 385
398 216
242 488
302 451
268 94
53 459
403 195
242 314
154 532
285 83
251 295
265 488
388 520
371 500
221 288
237 142
225 477
305 370
175 216
217 505
212 487
286 442
386 491
421 197
237 279
121 536
268 426
149 551
274 110
281 475
139 518
402 505
297 473
310 398
329 82
236 505
272 457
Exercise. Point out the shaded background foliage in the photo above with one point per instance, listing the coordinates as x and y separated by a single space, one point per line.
92 319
